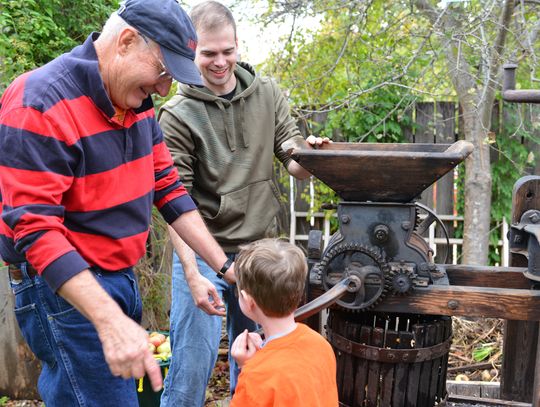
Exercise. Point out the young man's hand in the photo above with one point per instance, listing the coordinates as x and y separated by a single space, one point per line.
244 347
317 141
205 295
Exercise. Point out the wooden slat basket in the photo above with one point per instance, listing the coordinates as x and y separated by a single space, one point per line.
390 360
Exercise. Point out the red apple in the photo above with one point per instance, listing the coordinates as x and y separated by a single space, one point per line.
157 340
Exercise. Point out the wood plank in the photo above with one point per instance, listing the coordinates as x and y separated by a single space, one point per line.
441 387
372 400
347 389
19 367
430 332
414 371
388 370
484 302
337 325
436 364
520 339
408 136
445 132
470 388
401 377
425 133
361 375
478 276
483 401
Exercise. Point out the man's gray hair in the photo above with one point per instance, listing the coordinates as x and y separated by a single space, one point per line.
113 26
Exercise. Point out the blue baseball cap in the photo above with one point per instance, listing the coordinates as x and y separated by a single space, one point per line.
168 25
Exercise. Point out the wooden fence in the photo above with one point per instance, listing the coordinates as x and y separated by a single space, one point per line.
435 122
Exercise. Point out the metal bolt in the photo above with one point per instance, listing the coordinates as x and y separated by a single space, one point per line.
406 225
534 218
453 304
345 218
381 233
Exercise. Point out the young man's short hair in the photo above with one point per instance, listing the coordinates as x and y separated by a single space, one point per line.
273 272
209 16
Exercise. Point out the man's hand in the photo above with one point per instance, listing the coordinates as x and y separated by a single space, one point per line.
245 346
295 169
317 141
125 345
205 295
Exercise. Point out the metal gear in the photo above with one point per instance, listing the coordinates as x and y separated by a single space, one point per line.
354 259
401 281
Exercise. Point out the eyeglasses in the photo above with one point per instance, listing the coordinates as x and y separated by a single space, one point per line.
164 74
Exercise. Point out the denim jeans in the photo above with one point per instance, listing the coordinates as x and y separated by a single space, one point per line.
195 338
74 371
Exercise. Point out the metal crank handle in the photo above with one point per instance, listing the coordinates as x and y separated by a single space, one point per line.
350 284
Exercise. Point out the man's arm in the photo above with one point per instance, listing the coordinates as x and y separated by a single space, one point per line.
125 343
295 169
201 288
191 229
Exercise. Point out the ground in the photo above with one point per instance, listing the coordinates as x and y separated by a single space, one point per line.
475 354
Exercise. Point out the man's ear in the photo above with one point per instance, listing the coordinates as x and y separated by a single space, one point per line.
127 39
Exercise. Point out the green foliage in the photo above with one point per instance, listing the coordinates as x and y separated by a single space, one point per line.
33 32
379 117
362 60
482 352
4 400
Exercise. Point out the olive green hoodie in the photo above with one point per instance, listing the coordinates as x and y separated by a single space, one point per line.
224 152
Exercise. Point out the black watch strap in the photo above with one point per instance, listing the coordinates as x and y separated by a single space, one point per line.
224 269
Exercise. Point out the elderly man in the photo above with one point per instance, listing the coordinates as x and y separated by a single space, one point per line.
83 161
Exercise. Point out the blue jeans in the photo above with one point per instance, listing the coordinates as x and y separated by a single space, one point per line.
74 371
195 338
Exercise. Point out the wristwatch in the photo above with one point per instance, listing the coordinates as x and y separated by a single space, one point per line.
223 270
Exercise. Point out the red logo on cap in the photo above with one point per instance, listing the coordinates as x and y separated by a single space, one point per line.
192 44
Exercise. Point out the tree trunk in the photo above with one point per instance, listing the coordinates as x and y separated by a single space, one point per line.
478 203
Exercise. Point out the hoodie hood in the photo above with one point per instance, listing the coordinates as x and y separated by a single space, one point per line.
247 81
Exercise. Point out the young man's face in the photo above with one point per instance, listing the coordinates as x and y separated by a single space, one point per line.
216 55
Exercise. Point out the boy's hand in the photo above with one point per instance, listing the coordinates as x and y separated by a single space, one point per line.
244 347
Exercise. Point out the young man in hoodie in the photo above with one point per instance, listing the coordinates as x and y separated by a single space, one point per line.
223 138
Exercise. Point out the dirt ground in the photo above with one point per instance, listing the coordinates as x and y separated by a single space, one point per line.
471 340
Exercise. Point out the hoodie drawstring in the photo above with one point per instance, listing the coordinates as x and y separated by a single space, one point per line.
230 138
243 121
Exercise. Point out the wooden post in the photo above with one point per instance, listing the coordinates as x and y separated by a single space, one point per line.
425 133
19 368
445 125
521 337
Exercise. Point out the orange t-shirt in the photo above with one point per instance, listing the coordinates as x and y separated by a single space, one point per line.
295 370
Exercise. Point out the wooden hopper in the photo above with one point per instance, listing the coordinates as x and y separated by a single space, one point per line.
379 172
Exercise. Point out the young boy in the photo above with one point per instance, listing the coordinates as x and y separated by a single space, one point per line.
294 366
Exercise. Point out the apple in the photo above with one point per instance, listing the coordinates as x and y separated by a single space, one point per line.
165 347
157 340
151 347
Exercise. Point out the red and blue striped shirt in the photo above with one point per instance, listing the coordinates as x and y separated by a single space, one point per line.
76 185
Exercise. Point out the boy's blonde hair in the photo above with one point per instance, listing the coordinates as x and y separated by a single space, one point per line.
273 272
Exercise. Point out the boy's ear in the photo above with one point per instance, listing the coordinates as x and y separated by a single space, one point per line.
248 299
